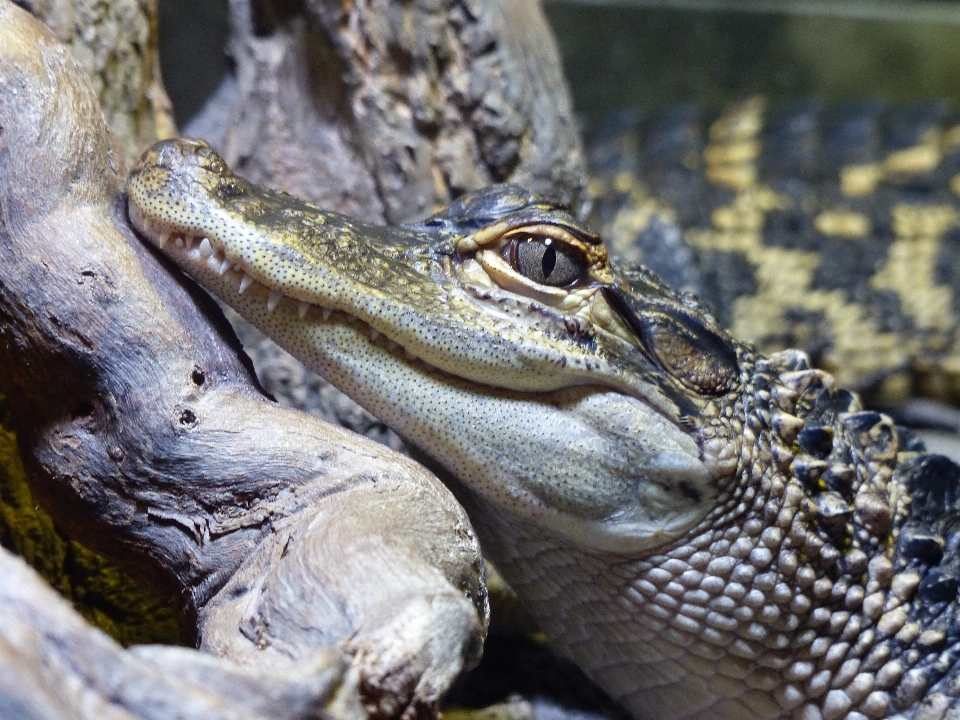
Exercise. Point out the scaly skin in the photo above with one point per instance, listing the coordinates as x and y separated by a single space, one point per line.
708 532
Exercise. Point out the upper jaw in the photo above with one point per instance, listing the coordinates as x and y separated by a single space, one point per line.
510 364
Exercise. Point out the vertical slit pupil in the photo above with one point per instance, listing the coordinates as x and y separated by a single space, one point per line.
549 260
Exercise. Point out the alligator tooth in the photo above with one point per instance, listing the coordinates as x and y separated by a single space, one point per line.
326 313
245 282
162 239
374 335
302 308
213 264
273 300
178 242
188 241
206 249
224 266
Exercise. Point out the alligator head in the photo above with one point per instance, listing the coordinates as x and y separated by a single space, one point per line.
638 475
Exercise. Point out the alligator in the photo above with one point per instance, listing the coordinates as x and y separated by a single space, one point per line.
707 531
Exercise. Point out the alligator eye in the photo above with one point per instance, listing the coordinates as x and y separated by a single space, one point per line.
546 261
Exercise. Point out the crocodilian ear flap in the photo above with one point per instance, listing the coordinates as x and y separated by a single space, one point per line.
682 345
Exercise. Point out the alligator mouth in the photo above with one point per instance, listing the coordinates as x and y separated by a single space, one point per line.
205 255
228 270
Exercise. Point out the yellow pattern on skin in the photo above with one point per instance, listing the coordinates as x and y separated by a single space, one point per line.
730 157
628 225
843 223
861 180
785 277
911 262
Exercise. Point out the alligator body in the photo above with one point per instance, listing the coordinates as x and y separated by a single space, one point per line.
708 532
835 230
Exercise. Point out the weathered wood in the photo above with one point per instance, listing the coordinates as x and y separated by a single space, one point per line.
146 436
116 43
387 110
53 666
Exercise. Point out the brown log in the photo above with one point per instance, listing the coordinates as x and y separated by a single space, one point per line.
146 436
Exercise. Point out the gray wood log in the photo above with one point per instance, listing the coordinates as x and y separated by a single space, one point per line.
53 666
116 43
146 436
387 110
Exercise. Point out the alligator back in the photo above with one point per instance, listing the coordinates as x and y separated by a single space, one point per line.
834 230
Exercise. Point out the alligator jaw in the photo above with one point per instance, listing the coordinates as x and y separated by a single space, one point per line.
499 383
399 388
235 282
409 285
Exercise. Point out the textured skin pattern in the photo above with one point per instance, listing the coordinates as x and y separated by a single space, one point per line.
710 533
833 230
829 594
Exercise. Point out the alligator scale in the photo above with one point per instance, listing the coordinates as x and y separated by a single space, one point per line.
708 532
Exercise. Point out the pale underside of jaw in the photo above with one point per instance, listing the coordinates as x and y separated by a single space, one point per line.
453 417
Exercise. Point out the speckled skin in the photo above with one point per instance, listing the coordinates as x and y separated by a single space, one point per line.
831 229
708 532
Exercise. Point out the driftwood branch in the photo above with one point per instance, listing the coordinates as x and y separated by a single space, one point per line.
55 666
386 110
146 436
